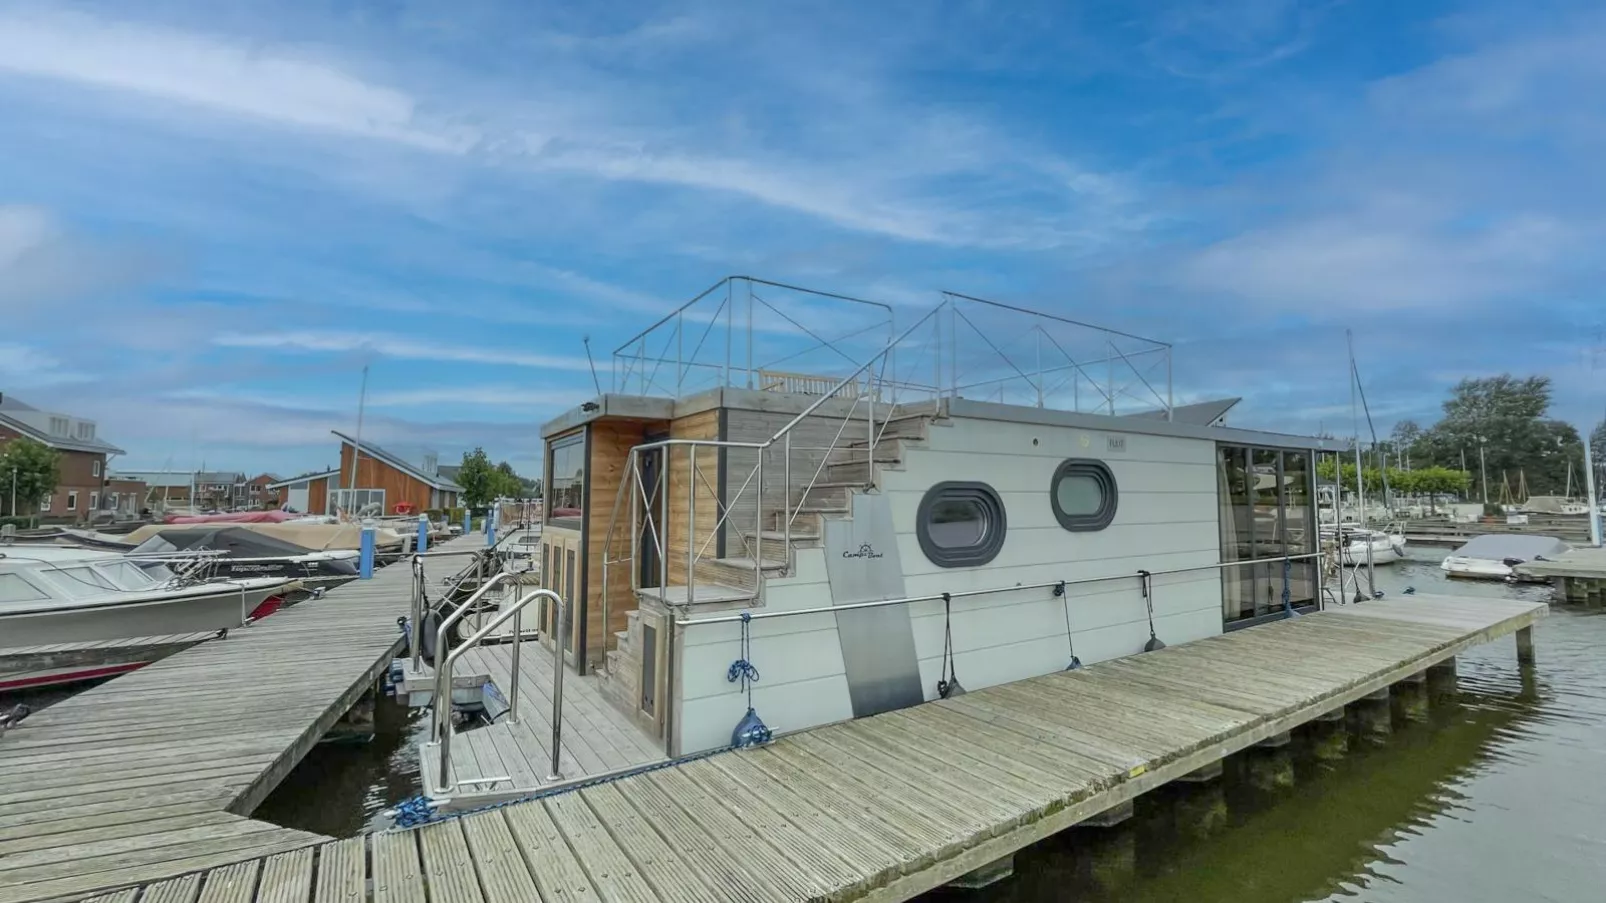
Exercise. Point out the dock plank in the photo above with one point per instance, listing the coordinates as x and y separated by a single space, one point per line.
398 877
342 871
447 862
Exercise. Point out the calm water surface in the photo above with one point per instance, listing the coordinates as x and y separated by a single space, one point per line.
1498 795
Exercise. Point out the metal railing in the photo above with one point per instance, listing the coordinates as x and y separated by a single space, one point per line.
457 614
861 386
963 594
443 682
416 624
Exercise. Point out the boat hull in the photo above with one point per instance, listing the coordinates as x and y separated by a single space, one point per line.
224 609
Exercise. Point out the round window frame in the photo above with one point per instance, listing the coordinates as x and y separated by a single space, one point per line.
978 554
1099 471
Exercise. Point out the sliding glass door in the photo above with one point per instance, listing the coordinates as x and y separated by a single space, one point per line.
1267 510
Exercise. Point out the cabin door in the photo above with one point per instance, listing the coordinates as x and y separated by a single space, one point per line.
649 515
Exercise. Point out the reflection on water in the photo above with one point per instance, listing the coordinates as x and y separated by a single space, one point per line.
1496 795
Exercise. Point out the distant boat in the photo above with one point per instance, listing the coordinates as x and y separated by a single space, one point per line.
1493 556
61 595
1387 546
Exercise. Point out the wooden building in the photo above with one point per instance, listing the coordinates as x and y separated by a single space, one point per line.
390 481
305 494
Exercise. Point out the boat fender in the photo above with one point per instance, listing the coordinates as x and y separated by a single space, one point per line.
426 642
17 712
1409 591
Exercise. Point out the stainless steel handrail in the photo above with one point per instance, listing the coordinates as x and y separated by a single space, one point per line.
457 615
443 679
907 600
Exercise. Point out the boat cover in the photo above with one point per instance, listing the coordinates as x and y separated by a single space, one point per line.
307 535
237 517
1521 546
238 542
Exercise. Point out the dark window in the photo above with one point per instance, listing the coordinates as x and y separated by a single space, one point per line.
961 524
1083 494
568 603
566 482
1267 509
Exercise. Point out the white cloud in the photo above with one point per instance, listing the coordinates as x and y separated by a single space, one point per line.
24 366
229 77
396 346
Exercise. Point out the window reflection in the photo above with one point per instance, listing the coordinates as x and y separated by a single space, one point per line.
566 482
1266 511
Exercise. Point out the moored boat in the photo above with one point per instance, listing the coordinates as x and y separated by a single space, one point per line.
1494 556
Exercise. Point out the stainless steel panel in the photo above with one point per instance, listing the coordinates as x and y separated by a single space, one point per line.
878 644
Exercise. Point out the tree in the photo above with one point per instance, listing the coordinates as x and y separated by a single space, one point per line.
506 482
1504 417
1597 450
478 479
37 469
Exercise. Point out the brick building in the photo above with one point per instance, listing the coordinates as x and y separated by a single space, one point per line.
83 457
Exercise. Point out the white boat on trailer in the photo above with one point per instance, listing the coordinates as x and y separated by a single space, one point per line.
1494 556
64 595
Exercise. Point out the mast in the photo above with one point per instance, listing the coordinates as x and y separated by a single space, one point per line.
1355 415
356 445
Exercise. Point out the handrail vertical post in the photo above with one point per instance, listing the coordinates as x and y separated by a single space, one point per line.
414 648
633 477
786 505
662 533
1039 330
680 342
750 335
1170 403
691 520
758 526
869 425
557 693
936 354
730 303
1110 369
518 645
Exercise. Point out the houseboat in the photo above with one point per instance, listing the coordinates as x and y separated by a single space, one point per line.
855 542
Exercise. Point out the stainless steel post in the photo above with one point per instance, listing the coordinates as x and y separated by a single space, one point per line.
1170 401
518 645
1371 574
953 347
758 527
1109 367
730 305
936 354
869 420
416 625
691 519
750 335
1039 330
666 481
557 690
680 342
633 477
786 503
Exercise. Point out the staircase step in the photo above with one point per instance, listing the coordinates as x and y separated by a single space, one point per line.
710 593
887 450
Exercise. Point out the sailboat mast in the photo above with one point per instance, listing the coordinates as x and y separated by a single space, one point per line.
356 445
1355 415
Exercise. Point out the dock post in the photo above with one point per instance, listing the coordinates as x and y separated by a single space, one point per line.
1525 645
1201 810
986 876
1375 716
423 533
468 520
490 527
365 554
1411 696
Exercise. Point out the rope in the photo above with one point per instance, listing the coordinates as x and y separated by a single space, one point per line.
751 730
1070 644
1288 607
1146 584
948 684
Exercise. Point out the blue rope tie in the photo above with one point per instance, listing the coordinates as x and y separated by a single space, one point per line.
1288 607
751 730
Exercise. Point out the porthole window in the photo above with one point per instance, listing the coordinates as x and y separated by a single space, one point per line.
1083 494
961 524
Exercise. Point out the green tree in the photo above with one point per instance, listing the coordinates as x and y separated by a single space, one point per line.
36 468
478 479
1504 417
506 482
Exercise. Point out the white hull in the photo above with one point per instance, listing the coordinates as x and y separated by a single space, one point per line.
226 607
1476 568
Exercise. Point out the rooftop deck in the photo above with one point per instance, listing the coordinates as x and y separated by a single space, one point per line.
151 775
880 808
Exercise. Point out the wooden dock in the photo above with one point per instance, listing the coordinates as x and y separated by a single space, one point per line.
597 738
883 808
151 775
1578 575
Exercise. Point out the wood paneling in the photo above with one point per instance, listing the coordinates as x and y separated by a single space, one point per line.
317 496
683 480
375 474
611 441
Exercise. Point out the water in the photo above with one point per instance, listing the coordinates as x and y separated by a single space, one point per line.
1497 796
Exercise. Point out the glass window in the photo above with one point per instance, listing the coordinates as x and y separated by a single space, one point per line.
1266 511
15 589
961 524
72 500
566 482
1083 495
80 579
125 575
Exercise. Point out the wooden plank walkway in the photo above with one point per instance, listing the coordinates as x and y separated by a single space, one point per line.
598 738
886 808
149 776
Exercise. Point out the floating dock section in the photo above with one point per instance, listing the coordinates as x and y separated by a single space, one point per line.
152 775
878 809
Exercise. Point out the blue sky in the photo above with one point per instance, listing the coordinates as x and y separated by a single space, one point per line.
212 215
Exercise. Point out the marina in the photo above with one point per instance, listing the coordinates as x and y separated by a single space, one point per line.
915 799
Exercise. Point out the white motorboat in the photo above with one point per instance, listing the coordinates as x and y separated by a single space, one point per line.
1493 556
1387 546
65 595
